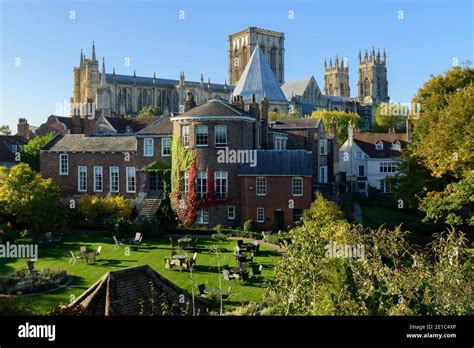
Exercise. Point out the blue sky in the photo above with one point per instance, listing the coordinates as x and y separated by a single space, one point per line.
431 35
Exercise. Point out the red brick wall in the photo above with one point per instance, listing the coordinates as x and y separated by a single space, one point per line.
68 183
279 192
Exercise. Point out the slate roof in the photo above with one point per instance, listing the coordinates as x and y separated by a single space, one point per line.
81 143
162 125
282 163
295 87
258 79
216 107
148 81
138 290
6 141
367 141
135 124
299 123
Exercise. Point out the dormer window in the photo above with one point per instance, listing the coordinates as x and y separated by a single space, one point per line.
379 145
396 146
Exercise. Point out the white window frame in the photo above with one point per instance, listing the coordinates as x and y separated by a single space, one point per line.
101 172
128 181
323 178
260 215
224 132
231 212
61 157
202 217
163 140
114 170
201 189
148 147
293 181
280 142
185 135
257 186
198 133
379 146
221 176
323 147
186 182
80 170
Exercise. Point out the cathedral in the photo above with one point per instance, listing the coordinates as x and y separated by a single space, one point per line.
255 70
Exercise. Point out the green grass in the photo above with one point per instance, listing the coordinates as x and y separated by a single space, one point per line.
152 253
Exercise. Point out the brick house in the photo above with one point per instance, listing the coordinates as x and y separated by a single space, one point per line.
108 164
276 191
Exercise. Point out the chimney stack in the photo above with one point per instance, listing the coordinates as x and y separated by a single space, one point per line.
23 128
190 102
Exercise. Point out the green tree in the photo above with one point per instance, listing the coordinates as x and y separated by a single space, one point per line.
276 116
5 130
149 111
388 116
30 153
26 199
440 156
342 120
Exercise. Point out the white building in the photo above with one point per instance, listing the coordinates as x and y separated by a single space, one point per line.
367 159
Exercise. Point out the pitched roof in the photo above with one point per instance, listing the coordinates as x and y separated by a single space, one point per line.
258 79
148 81
282 163
135 124
162 125
295 87
81 143
216 107
138 290
6 142
298 123
367 141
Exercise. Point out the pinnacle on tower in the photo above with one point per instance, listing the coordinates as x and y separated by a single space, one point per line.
103 76
209 83
378 55
82 59
225 84
202 79
154 77
330 63
366 57
384 56
336 63
325 64
93 53
134 74
360 56
113 72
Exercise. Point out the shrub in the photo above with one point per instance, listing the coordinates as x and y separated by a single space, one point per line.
248 225
120 226
150 226
218 228
95 209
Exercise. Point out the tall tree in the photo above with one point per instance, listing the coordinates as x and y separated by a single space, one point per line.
28 200
440 157
388 116
5 130
31 151
342 120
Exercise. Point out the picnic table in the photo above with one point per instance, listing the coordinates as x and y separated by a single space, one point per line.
184 242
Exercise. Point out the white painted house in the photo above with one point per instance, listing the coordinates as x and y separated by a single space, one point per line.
367 159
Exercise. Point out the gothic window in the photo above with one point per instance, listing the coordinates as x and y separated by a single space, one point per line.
341 91
139 104
236 64
366 87
331 89
273 59
379 88
245 58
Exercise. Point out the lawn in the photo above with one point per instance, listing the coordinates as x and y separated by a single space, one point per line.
150 252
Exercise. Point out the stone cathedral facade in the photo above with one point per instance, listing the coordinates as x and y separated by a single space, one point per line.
115 95
125 95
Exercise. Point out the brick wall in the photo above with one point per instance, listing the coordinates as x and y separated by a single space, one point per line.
279 192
